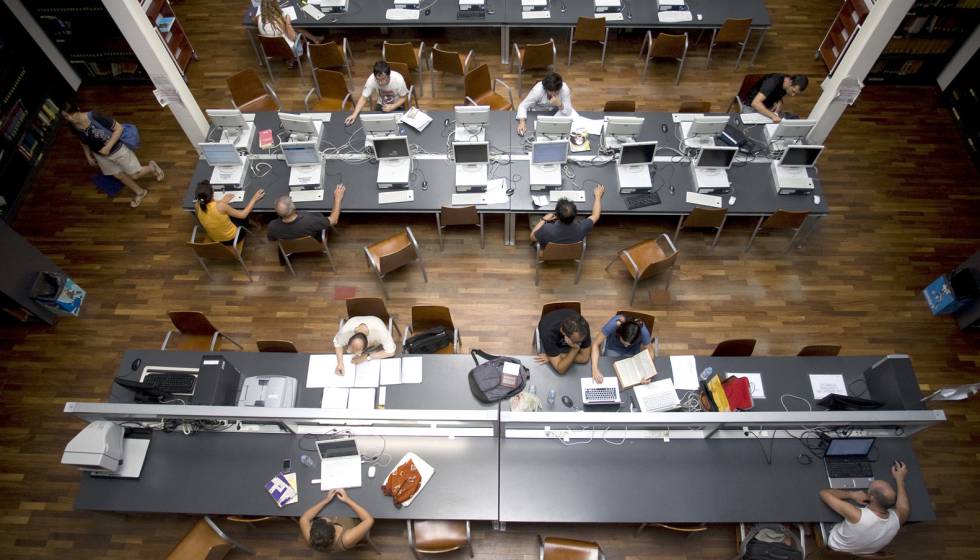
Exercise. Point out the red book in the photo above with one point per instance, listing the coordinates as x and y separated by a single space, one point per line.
265 139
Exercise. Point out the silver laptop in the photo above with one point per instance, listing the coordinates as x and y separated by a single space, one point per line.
847 462
340 463
606 392
547 157
472 162
633 166
394 160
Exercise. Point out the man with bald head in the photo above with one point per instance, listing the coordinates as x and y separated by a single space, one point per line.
292 224
868 529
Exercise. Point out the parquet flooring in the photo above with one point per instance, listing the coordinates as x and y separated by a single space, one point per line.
903 204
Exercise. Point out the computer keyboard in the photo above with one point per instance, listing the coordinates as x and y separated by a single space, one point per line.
536 14
611 16
401 14
306 195
574 196
600 394
175 383
238 196
471 14
660 402
390 197
641 200
849 469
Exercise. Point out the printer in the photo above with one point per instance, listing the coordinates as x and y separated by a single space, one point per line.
270 391
99 447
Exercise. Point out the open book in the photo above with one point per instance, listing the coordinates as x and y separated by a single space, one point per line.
632 371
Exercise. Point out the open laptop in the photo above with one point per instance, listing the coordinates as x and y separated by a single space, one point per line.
472 161
394 160
847 462
340 463
606 392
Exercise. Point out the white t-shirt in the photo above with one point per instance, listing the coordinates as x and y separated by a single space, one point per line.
869 535
267 29
539 97
377 334
394 89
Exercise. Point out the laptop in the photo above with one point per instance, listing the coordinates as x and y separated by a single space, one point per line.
394 160
606 392
847 462
340 464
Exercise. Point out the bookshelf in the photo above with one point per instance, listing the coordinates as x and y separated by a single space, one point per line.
849 18
963 98
927 38
171 32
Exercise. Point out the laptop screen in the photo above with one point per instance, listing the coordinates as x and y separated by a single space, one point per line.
842 447
329 449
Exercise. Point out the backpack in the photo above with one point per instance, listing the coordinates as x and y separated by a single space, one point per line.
755 549
485 378
428 342
130 134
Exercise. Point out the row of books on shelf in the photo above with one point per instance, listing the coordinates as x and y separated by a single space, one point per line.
33 138
897 67
918 46
947 4
102 69
913 24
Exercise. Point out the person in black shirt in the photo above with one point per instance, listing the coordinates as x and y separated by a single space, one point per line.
565 339
292 224
561 227
767 96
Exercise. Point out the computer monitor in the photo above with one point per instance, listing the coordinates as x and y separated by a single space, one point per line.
792 129
800 156
300 153
558 127
472 117
471 152
544 152
227 118
220 153
638 153
298 124
380 124
707 126
715 157
391 148
624 126
217 382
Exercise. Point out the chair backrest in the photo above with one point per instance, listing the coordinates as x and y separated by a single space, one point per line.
785 219
367 306
459 216
273 346
734 30
305 244
539 55
192 323
400 52
446 61
575 306
276 47
653 257
327 55
394 252
405 71
695 107
705 218
245 86
620 106
553 548
425 317
820 350
478 82
562 251
214 250
331 84
648 320
748 82
738 347
669 46
590 29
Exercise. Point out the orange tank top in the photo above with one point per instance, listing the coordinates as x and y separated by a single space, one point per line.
219 226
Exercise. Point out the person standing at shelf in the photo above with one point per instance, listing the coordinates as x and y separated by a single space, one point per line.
335 534
767 95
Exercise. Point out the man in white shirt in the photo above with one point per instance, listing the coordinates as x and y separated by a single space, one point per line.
866 530
549 92
363 336
390 87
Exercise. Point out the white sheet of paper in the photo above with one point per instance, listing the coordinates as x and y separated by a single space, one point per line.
685 372
368 374
755 118
540 200
361 399
755 384
321 366
412 369
289 12
825 384
334 397
511 368
346 380
592 126
391 371
496 192
313 12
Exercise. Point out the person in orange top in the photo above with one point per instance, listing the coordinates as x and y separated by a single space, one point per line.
216 215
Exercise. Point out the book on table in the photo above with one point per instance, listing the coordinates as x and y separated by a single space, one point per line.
632 371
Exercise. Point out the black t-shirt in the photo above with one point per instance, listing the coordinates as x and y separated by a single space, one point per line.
306 223
95 137
557 232
772 87
552 341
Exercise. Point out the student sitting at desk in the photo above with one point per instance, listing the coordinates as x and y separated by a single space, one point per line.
767 95
335 534
390 87
292 224
561 227
565 339
271 22
868 529
623 337
549 92
216 215
362 336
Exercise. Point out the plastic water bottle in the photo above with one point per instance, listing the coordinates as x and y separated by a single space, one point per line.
305 459
706 374
551 399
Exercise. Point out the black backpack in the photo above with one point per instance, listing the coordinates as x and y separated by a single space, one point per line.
485 378
428 342
754 549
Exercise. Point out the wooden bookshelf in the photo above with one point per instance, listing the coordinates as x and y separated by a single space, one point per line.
849 19
171 32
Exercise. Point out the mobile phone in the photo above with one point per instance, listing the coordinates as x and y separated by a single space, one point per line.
286 465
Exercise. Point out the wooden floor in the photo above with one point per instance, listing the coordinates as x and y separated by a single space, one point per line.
903 196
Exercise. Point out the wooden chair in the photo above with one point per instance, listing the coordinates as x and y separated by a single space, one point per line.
589 29
575 306
308 244
819 350
619 106
330 88
250 95
403 69
480 89
393 253
283 346
278 48
559 252
664 46
406 54
206 541
213 250
695 107
459 216
425 317
648 259
439 537
734 31
331 56
533 57
735 348
781 219
703 218
447 62
688 530
196 333
741 100
824 552
554 548
648 321
371 306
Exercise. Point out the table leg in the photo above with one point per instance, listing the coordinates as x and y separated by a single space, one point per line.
504 42
255 46
509 230
810 224
758 47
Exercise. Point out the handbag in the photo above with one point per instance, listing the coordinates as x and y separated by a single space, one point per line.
130 134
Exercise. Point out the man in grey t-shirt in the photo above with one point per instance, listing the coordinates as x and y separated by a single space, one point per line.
561 227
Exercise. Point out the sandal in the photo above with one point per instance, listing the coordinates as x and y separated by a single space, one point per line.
157 171
138 199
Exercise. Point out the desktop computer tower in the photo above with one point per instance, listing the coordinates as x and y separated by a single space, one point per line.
217 382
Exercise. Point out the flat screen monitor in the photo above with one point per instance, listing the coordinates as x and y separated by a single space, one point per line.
472 116
391 148
800 155
226 118
549 152
380 124
220 153
793 128
624 126
553 126
638 153
297 124
300 153
708 126
471 152
716 157
849 447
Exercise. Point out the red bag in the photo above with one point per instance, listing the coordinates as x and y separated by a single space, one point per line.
738 392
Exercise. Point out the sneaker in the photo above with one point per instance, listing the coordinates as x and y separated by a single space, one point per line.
156 170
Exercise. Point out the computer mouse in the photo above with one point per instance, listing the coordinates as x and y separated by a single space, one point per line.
567 401
425 185
428 11
136 364
671 189
371 470
445 123
663 128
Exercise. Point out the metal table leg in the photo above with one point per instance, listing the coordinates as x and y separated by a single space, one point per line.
810 225
758 47
504 42
255 46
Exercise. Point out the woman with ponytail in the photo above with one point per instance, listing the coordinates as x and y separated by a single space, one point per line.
624 337
216 215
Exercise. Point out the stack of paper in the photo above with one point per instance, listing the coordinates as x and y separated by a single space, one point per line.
685 371
416 118
353 398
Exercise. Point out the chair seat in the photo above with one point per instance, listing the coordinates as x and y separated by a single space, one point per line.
495 101
194 343
326 105
644 252
439 536
569 549
259 105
